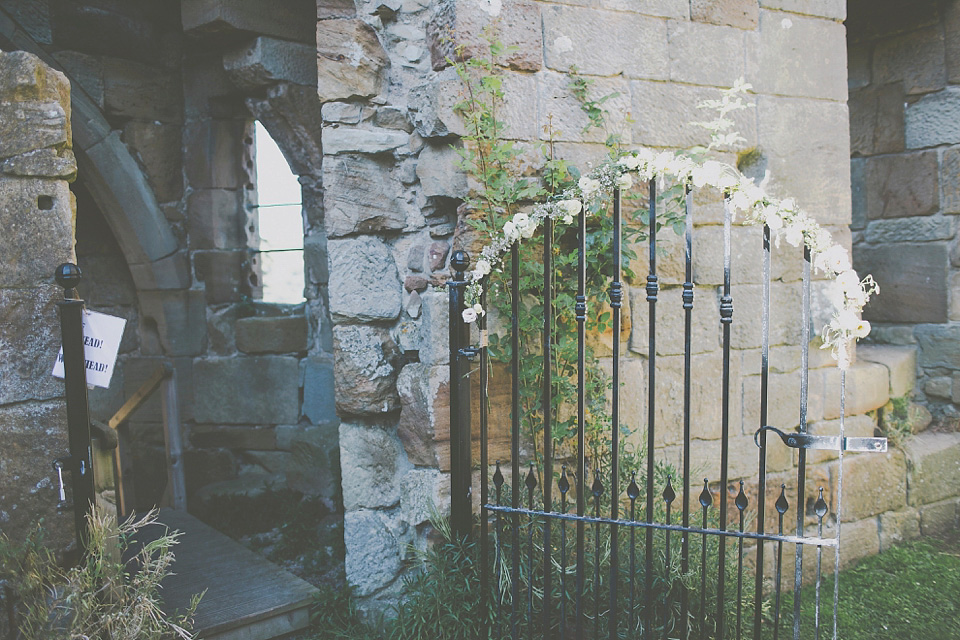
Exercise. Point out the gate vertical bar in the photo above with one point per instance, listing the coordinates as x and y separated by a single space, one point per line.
547 396
687 348
802 453
726 319
762 455
515 433
581 311
460 509
616 300
78 413
652 289
484 465
836 549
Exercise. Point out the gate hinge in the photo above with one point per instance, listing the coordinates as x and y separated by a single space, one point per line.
831 443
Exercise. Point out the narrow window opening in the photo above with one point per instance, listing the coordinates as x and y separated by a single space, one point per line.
281 223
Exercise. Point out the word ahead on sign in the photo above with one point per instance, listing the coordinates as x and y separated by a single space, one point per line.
101 341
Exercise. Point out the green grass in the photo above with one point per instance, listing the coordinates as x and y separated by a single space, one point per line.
908 592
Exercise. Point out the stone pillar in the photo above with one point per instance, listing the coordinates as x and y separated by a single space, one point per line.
37 214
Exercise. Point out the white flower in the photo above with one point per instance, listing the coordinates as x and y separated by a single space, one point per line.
528 229
707 173
834 259
469 315
571 207
794 233
847 321
588 186
822 240
631 162
662 162
510 231
771 216
739 200
857 297
849 281
862 330
483 267
479 310
625 181
789 204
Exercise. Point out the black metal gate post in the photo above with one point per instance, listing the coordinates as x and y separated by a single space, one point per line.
78 463
460 506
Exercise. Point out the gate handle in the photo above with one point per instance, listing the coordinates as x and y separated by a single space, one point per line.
832 443
59 465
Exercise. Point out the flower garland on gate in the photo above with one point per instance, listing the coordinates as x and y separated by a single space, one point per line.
848 292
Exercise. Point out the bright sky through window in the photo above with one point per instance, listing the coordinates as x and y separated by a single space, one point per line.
281 223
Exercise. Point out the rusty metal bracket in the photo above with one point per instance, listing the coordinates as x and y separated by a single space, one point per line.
830 443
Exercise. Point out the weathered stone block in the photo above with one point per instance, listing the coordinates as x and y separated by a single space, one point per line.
785 324
86 73
106 281
175 319
934 119
252 390
662 113
360 196
913 278
866 23
897 527
876 120
434 334
224 19
349 140
868 388
939 519
833 9
670 326
873 483
706 54
902 185
26 78
172 272
901 364
318 391
938 387
280 334
255 438
562 119
342 77
42 163
30 339
215 219
135 371
373 550
266 61
134 90
915 58
806 143
31 435
26 126
223 274
934 463
376 462
365 369
158 147
37 218
604 44
743 14
461 23
424 493
858 199
858 65
950 180
799 56
214 154
925 229
439 172
364 283
419 386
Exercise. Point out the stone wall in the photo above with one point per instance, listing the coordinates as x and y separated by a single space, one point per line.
905 150
37 215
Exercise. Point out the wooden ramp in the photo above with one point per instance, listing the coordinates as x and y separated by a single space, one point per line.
247 597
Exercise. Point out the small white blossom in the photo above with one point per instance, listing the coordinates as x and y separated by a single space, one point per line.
631 162
469 315
588 186
479 310
794 234
571 207
834 259
511 232
862 330
483 267
625 181
849 281
847 321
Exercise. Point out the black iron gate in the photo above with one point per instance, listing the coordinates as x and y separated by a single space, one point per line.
602 560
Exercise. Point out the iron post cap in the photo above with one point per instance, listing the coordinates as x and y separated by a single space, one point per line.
460 260
68 275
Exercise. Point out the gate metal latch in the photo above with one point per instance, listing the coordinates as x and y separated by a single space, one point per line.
60 465
831 443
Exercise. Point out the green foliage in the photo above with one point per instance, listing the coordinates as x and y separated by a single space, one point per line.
102 598
895 421
909 591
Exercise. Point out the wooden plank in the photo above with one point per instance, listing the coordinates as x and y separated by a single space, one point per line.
244 591
123 468
140 395
173 438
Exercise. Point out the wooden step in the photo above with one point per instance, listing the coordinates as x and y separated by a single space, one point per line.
247 597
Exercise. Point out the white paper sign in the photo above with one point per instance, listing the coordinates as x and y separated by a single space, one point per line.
101 340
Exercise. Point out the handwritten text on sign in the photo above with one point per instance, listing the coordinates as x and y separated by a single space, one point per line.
101 341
